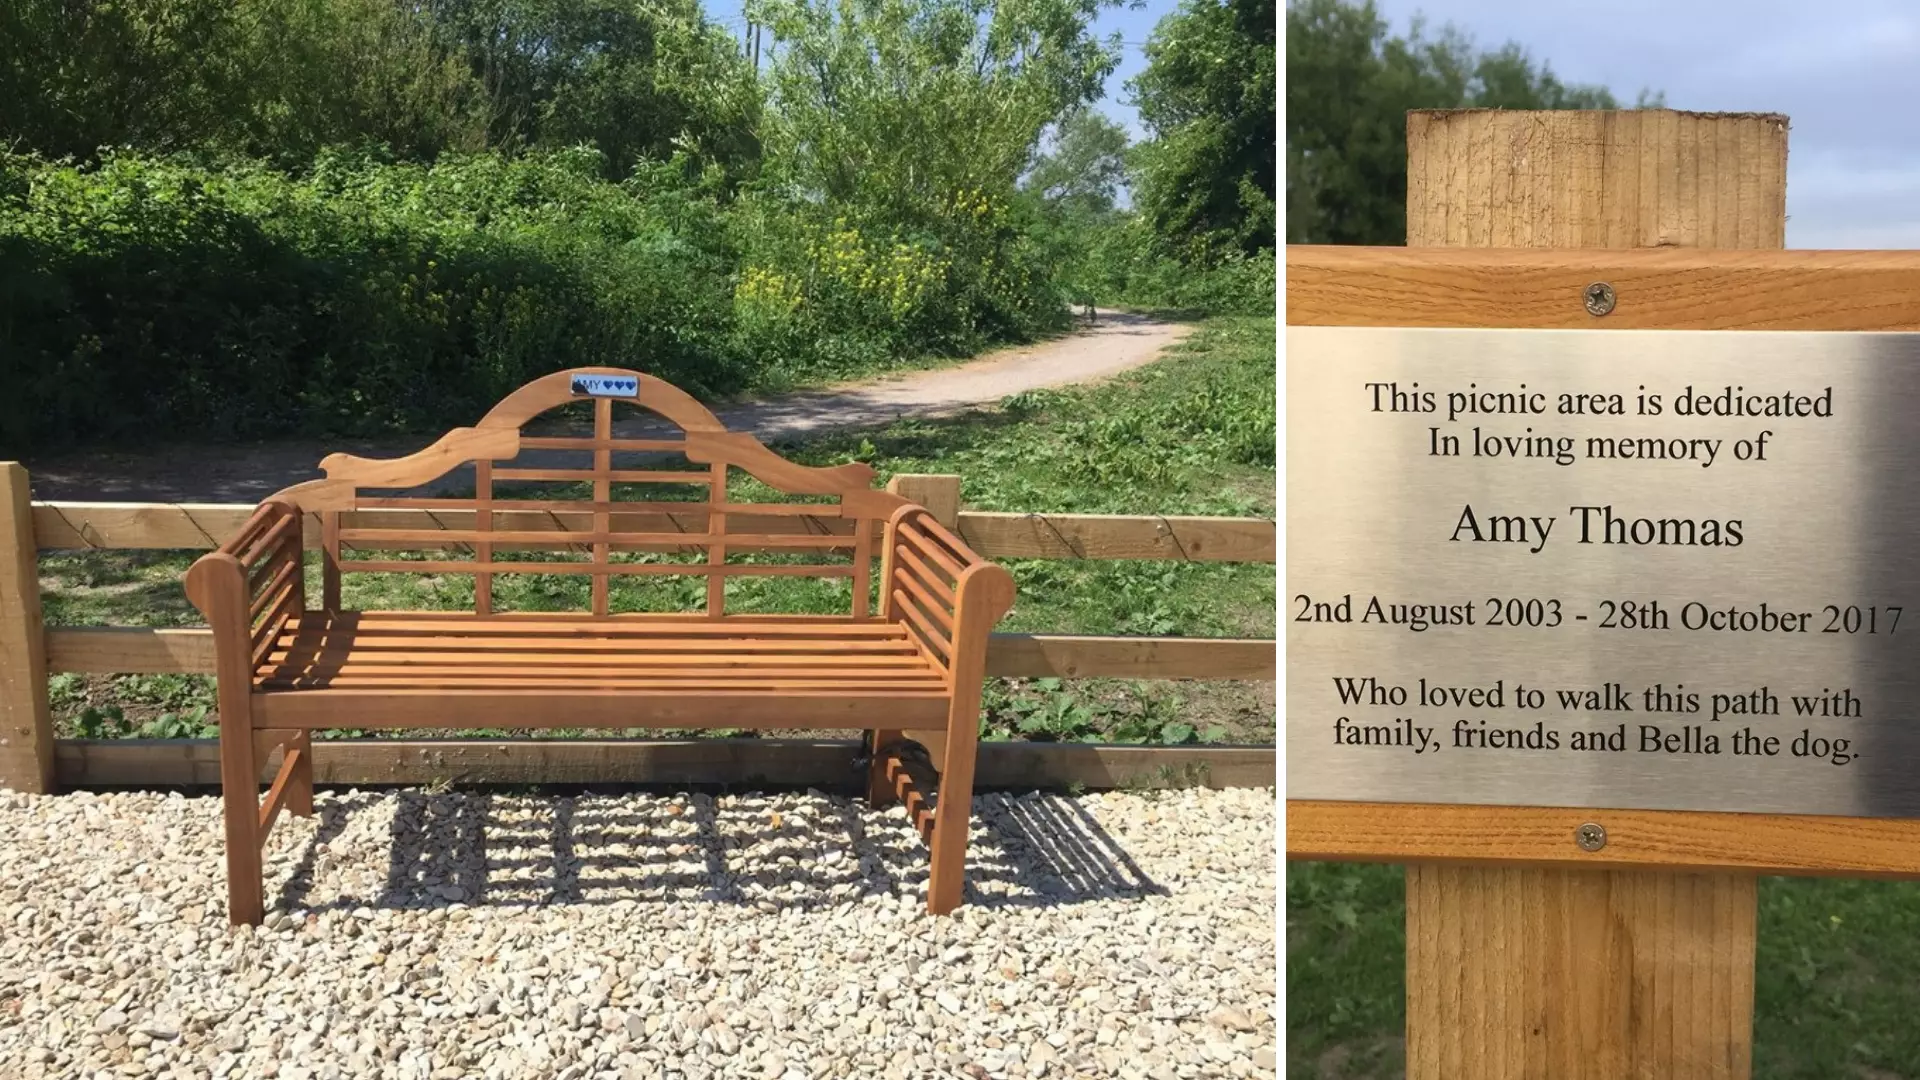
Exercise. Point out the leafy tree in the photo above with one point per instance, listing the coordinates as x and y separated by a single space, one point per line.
903 104
1350 85
1206 182
1073 186
638 80
1086 165
152 73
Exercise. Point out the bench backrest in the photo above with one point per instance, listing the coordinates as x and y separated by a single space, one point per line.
364 509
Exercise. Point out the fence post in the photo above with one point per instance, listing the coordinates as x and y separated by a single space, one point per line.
1585 973
939 493
26 726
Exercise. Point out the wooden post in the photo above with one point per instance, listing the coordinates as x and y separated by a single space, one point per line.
1522 972
26 725
940 494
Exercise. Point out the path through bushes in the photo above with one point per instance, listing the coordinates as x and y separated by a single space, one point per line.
248 472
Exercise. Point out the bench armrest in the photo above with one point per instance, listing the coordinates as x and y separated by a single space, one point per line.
946 594
250 586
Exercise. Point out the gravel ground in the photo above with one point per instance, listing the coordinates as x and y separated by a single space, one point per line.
418 935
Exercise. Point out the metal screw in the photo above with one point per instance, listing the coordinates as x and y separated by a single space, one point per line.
1590 837
1599 299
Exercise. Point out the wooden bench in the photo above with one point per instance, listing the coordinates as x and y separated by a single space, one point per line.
286 668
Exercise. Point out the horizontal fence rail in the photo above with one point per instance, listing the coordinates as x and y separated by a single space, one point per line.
63 526
71 526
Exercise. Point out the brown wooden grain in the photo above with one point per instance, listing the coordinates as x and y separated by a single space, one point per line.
985 596
1121 536
939 493
1760 843
216 583
1664 289
103 649
1524 971
599 708
26 724
1487 178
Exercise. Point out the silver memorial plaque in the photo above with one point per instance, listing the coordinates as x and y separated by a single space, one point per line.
1630 569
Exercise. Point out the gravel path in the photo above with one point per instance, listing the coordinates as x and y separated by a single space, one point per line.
435 936
247 473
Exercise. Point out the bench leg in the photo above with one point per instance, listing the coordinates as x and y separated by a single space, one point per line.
879 792
300 784
240 798
953 812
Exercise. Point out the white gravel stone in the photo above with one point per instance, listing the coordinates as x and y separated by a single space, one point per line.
434 937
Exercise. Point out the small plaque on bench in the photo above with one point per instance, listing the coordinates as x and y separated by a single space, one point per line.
606 385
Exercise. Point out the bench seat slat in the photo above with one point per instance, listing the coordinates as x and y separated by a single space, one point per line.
584 708
327 653
639 624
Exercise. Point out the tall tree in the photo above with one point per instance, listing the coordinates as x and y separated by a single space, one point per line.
1085 165
904 104
637 79
1207 179
1350 85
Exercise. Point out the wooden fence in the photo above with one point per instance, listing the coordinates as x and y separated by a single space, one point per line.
31 759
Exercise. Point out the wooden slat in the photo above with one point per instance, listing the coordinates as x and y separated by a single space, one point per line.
612 708
565 681
941 643
919 546
665 650
618 476
117 649
741 763
1636 839
446 657
602 492
717 550
650 624
1119 536
484 531
1654 289
427 566
277 794
940 608
599 442
267 541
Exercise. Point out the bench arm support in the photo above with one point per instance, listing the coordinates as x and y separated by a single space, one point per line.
946 594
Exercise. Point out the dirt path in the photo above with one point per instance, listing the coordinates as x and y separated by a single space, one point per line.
246 472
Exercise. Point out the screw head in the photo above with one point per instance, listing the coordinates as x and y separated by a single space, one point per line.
1599 298
1590 837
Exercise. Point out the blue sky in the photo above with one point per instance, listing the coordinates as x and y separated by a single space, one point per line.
1846 73
1133 26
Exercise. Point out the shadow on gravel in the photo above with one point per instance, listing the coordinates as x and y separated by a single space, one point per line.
1035 850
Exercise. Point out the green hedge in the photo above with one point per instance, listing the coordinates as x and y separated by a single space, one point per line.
143 297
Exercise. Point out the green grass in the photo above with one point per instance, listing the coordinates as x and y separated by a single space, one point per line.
1191 434
1837 981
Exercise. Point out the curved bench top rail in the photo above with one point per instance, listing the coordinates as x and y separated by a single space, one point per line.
497 437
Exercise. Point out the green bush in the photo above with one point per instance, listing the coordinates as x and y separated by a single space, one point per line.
144 296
